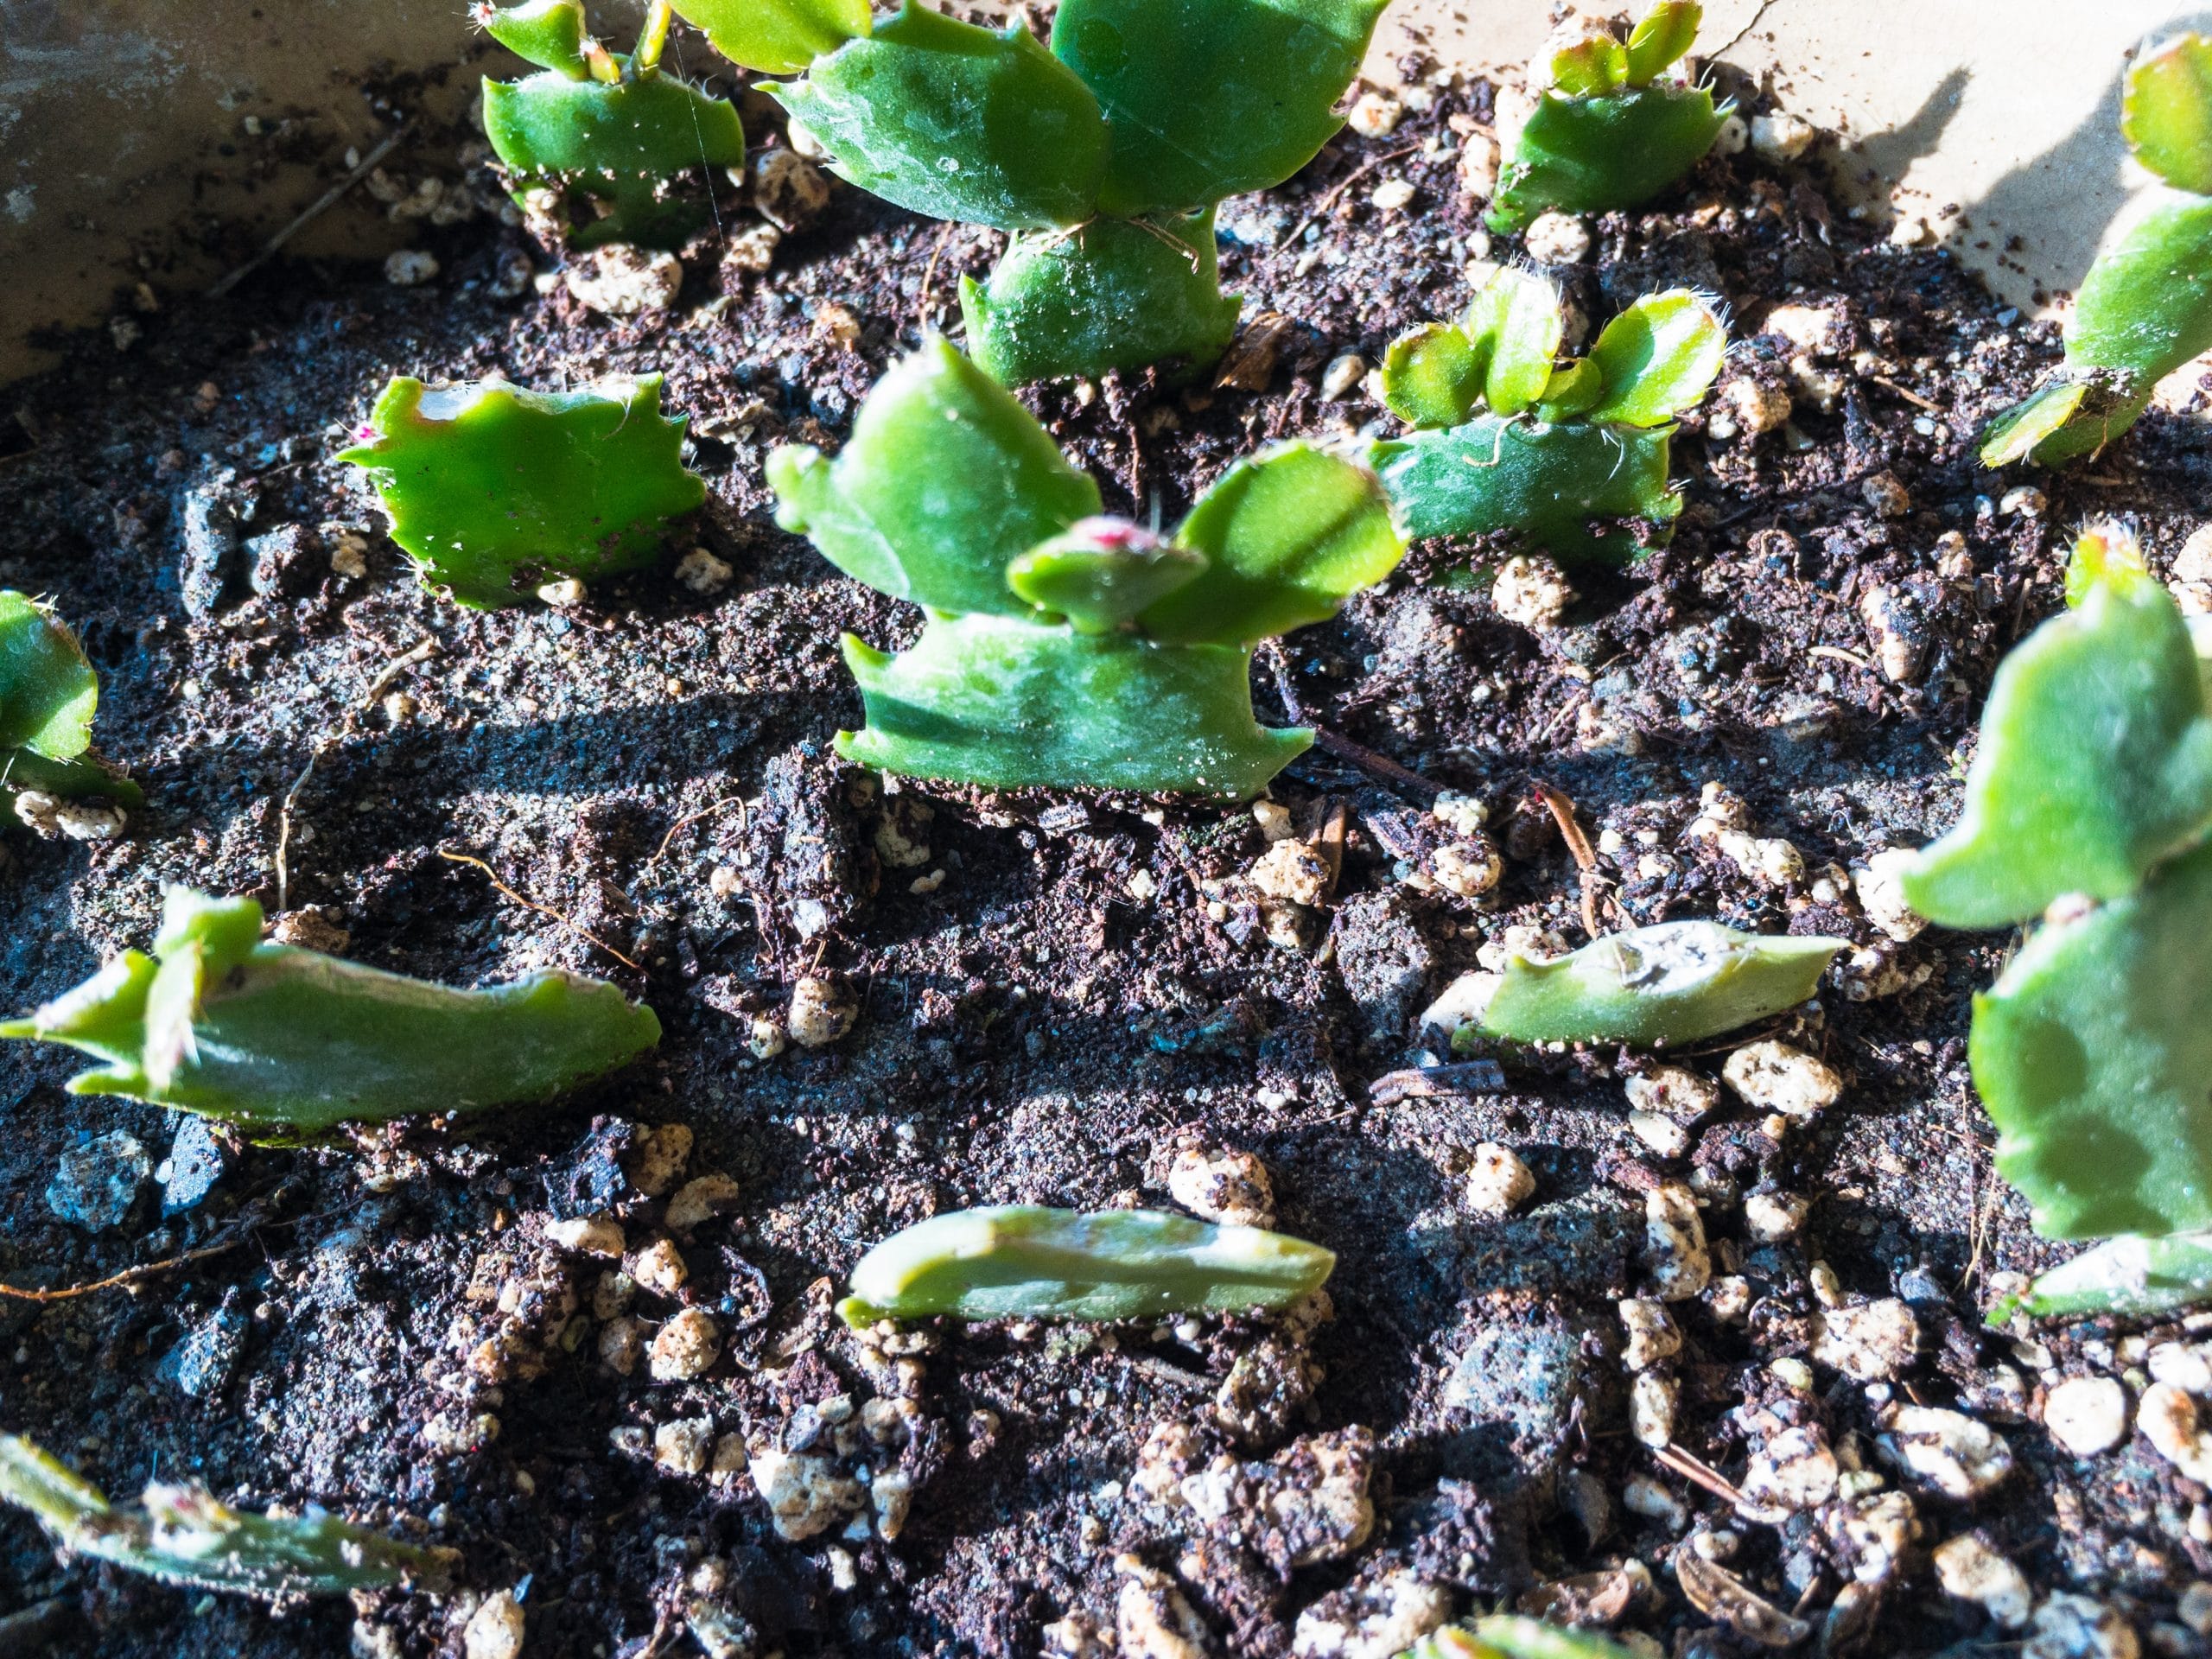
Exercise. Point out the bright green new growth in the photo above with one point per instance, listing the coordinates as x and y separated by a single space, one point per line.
601 137
2093 782
495 491
1614 127
1506 1635
1062 648
2129 1277
1025 1261
1509 438
47 695
182 1534
1103 156
1673 983
282 1041
2145 308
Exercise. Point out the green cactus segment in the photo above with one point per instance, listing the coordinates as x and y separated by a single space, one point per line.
284 1041
1516 322
1005 704
47 689
2091 1052
1063 649
1208 98
181 1534
1506 1635
2127 1277
957 122
1662 40
1564 487
2145 308
1655 359
1433 375
1677 983
548 33
1112 294
1100 574
495 491
2095 763
2167 114
777 37
1288 536
611 149
1025 1261
946 478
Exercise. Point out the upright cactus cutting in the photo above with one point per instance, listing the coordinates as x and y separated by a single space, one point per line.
2145 308
2088 804
598 139
282 1042
1616 124
47 695
1103 158
1063 648
1573 457
494 491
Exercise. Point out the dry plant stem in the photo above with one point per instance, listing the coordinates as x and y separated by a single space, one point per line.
542 909
1427 1081
128 1276
284 828
1380 767
1697 1472
690 818
1586 861
421 651
321 205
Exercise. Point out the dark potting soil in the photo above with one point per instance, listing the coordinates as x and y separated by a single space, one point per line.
1054 991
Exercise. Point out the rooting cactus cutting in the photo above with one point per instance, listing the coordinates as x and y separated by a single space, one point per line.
1062 648
494 491
1506 1635
1102 157
1026 1262
599 140
182 1534
282 1041
2145 308
1617 123
2091 795
1673 983
1572 455
47 695
2128 1276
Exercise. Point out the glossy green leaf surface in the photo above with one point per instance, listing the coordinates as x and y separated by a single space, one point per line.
2129 1277
181 1534
280 1040
2095 763
1288 534
1518 323
1548 483
548 33
1100 574
1663 39
1208 99
2042 425
1596 63
2166 113
620 143
945 479
1008 704
1582 155
495 491
1026 1262
2092 1053
47 690
1116 294
1575 390
1657 359
777 37
1433 375
957 122
1675 982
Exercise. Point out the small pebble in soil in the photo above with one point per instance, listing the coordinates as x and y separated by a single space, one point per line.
687 1346
1674 1252
1652 1333
822 1011
619 280
2168 1417
1375 114
703 573
1558 239
1881 895
659 1268
590 1236
751 249
1651 1401
1223 1184
1749 404
95 1185
1532 591
1673 1091
622 1342
410 268
1498 1183
1665 1138
1292 870
1970 1570
1342 377
657 1160
1868 1342
1776 1078
1772 1217
700 1201
788 190
495 1629
1943 1452
1782 137
682 1447
2067 1626
195 1166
